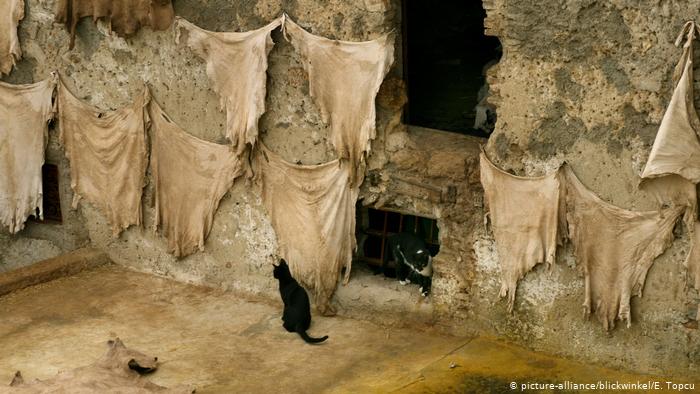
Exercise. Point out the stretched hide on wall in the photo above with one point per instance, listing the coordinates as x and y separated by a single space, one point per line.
676 149
107 154
614 247
118 371
11 12
125 17
237 69
312 210
526 221
25 111
344 78
674 191
191 176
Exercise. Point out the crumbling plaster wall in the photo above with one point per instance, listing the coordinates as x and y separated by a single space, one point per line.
579 81
587 82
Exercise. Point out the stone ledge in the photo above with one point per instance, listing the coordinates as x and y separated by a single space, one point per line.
44 271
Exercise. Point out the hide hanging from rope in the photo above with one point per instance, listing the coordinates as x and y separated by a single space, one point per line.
344 78
312 210
614 247
525 215
25 111
125 17
108 155
11 13
236 64
190 177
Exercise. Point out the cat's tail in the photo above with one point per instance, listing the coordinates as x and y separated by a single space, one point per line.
309 339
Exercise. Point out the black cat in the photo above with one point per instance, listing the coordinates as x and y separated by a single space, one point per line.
297 311
413 260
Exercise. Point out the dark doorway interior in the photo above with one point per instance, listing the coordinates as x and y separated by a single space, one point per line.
445 56
51 197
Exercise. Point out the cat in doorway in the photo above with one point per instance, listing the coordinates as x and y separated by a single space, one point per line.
414 263
297 310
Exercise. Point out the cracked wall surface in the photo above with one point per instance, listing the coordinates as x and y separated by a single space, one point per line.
581 81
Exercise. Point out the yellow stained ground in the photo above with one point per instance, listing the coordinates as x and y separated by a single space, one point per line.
222 344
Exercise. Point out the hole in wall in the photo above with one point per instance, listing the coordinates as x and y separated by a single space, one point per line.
446 55
374 226
51 196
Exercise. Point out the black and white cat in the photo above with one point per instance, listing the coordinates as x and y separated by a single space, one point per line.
413 260
297 311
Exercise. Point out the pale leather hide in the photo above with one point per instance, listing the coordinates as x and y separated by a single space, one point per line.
344 78
110 374
525 220
191 177
236 64
125 17
614 247
312 210
11 12
674 191
108 156
676 149
25 111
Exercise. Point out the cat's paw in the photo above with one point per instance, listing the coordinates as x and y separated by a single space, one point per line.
404 282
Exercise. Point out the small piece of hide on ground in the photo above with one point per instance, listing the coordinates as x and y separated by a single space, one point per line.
237 69
125 17
116 372
615 248
25 111
344 78
312 210
525 219
190 176
676 149
11 12
107 154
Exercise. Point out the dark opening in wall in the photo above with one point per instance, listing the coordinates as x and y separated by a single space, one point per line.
446 55
52 198
375 226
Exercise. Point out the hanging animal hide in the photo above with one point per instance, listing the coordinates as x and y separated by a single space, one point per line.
676 149
614 247
525 219
125 17
312 210
674 191
344 78
25 111
237 69
11 12
107 154
191 176
118 371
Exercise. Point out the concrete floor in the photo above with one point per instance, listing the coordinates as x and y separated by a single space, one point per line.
222 344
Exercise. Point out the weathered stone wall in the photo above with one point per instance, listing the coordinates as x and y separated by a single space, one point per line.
578 81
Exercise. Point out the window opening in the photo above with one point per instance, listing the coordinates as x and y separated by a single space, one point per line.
446 55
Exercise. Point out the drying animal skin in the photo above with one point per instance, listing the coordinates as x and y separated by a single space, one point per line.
107 154
312 210
11 12
125 17
676 149
191 176
237 69
344 78
525 218
615 248
25 111
675 191
118 371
